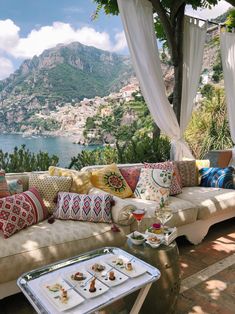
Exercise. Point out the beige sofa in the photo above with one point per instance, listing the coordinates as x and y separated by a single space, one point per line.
194 211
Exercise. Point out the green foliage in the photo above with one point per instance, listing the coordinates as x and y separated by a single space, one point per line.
21 159
217 70
230 22
138 150
207 91
209 128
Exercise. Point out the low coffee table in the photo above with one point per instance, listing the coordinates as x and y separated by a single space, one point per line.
34 283
163 295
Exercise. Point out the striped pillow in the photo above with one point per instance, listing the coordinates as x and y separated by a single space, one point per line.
3 185
20 211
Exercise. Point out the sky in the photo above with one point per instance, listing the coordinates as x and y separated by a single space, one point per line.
27 27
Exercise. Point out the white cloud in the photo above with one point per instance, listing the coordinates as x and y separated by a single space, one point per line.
49 36
6 67
208 14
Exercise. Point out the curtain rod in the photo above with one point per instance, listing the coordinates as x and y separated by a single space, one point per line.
200 19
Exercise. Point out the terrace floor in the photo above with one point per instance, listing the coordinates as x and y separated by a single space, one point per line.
208 276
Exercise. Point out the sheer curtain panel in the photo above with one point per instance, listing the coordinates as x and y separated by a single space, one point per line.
227 45
137 19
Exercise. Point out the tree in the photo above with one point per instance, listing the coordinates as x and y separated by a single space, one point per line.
169 27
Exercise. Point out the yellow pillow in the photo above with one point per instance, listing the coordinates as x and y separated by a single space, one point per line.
81 180
110 180
200 163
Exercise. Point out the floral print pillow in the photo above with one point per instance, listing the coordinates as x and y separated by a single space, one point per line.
110 180
154 184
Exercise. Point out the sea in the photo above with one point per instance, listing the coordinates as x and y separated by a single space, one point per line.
61 146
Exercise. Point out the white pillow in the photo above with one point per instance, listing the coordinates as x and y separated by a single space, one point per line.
153 184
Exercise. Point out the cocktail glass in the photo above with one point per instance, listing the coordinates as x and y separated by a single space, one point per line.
138 215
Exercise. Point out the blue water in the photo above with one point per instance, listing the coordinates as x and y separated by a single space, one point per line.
63 147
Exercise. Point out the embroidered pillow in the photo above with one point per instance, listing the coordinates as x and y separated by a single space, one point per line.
176 183
3 185
188 172
154 184
15 186
93 208
131 175
20 211
110 180
200 163
217 177
81 180
49 187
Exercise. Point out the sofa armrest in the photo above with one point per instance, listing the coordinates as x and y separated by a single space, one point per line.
121 210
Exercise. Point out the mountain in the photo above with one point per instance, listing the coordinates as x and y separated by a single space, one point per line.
64 74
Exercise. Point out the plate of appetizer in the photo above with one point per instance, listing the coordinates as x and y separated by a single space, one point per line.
154 241
99 269
113 277
61 295
92 288
77 277
129 267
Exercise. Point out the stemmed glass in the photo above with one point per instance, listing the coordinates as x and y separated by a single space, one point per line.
138 215
164 213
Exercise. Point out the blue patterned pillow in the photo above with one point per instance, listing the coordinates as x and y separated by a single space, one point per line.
217 177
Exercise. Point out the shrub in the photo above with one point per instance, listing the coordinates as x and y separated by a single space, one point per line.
21 159
137 150
209 128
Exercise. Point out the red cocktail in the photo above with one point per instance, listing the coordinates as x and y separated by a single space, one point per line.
138 215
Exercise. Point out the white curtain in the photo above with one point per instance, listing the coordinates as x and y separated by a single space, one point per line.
227 44
137 18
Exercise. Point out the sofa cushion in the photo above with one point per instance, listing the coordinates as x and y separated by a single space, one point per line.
217 177
3 185
20 211
84 207
15 186
176 183
49 187
43 243
154 184
131 175
209 201
81 180
184 212
110 180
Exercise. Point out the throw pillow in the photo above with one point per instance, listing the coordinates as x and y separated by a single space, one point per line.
154 184
217 177
188 172
131 175
20 211
200 163
49 187
81 180
3 185
93 208
176 183
15 186
110 180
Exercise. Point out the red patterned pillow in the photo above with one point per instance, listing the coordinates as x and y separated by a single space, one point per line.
3 185
92 207
20 211
176 183
131 175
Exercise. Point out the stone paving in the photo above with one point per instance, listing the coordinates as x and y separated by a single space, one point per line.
214 292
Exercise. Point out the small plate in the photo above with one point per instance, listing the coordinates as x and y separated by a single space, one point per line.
53 296
99 274
76 283
119 278
137 270
135 241
153 244
84 290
